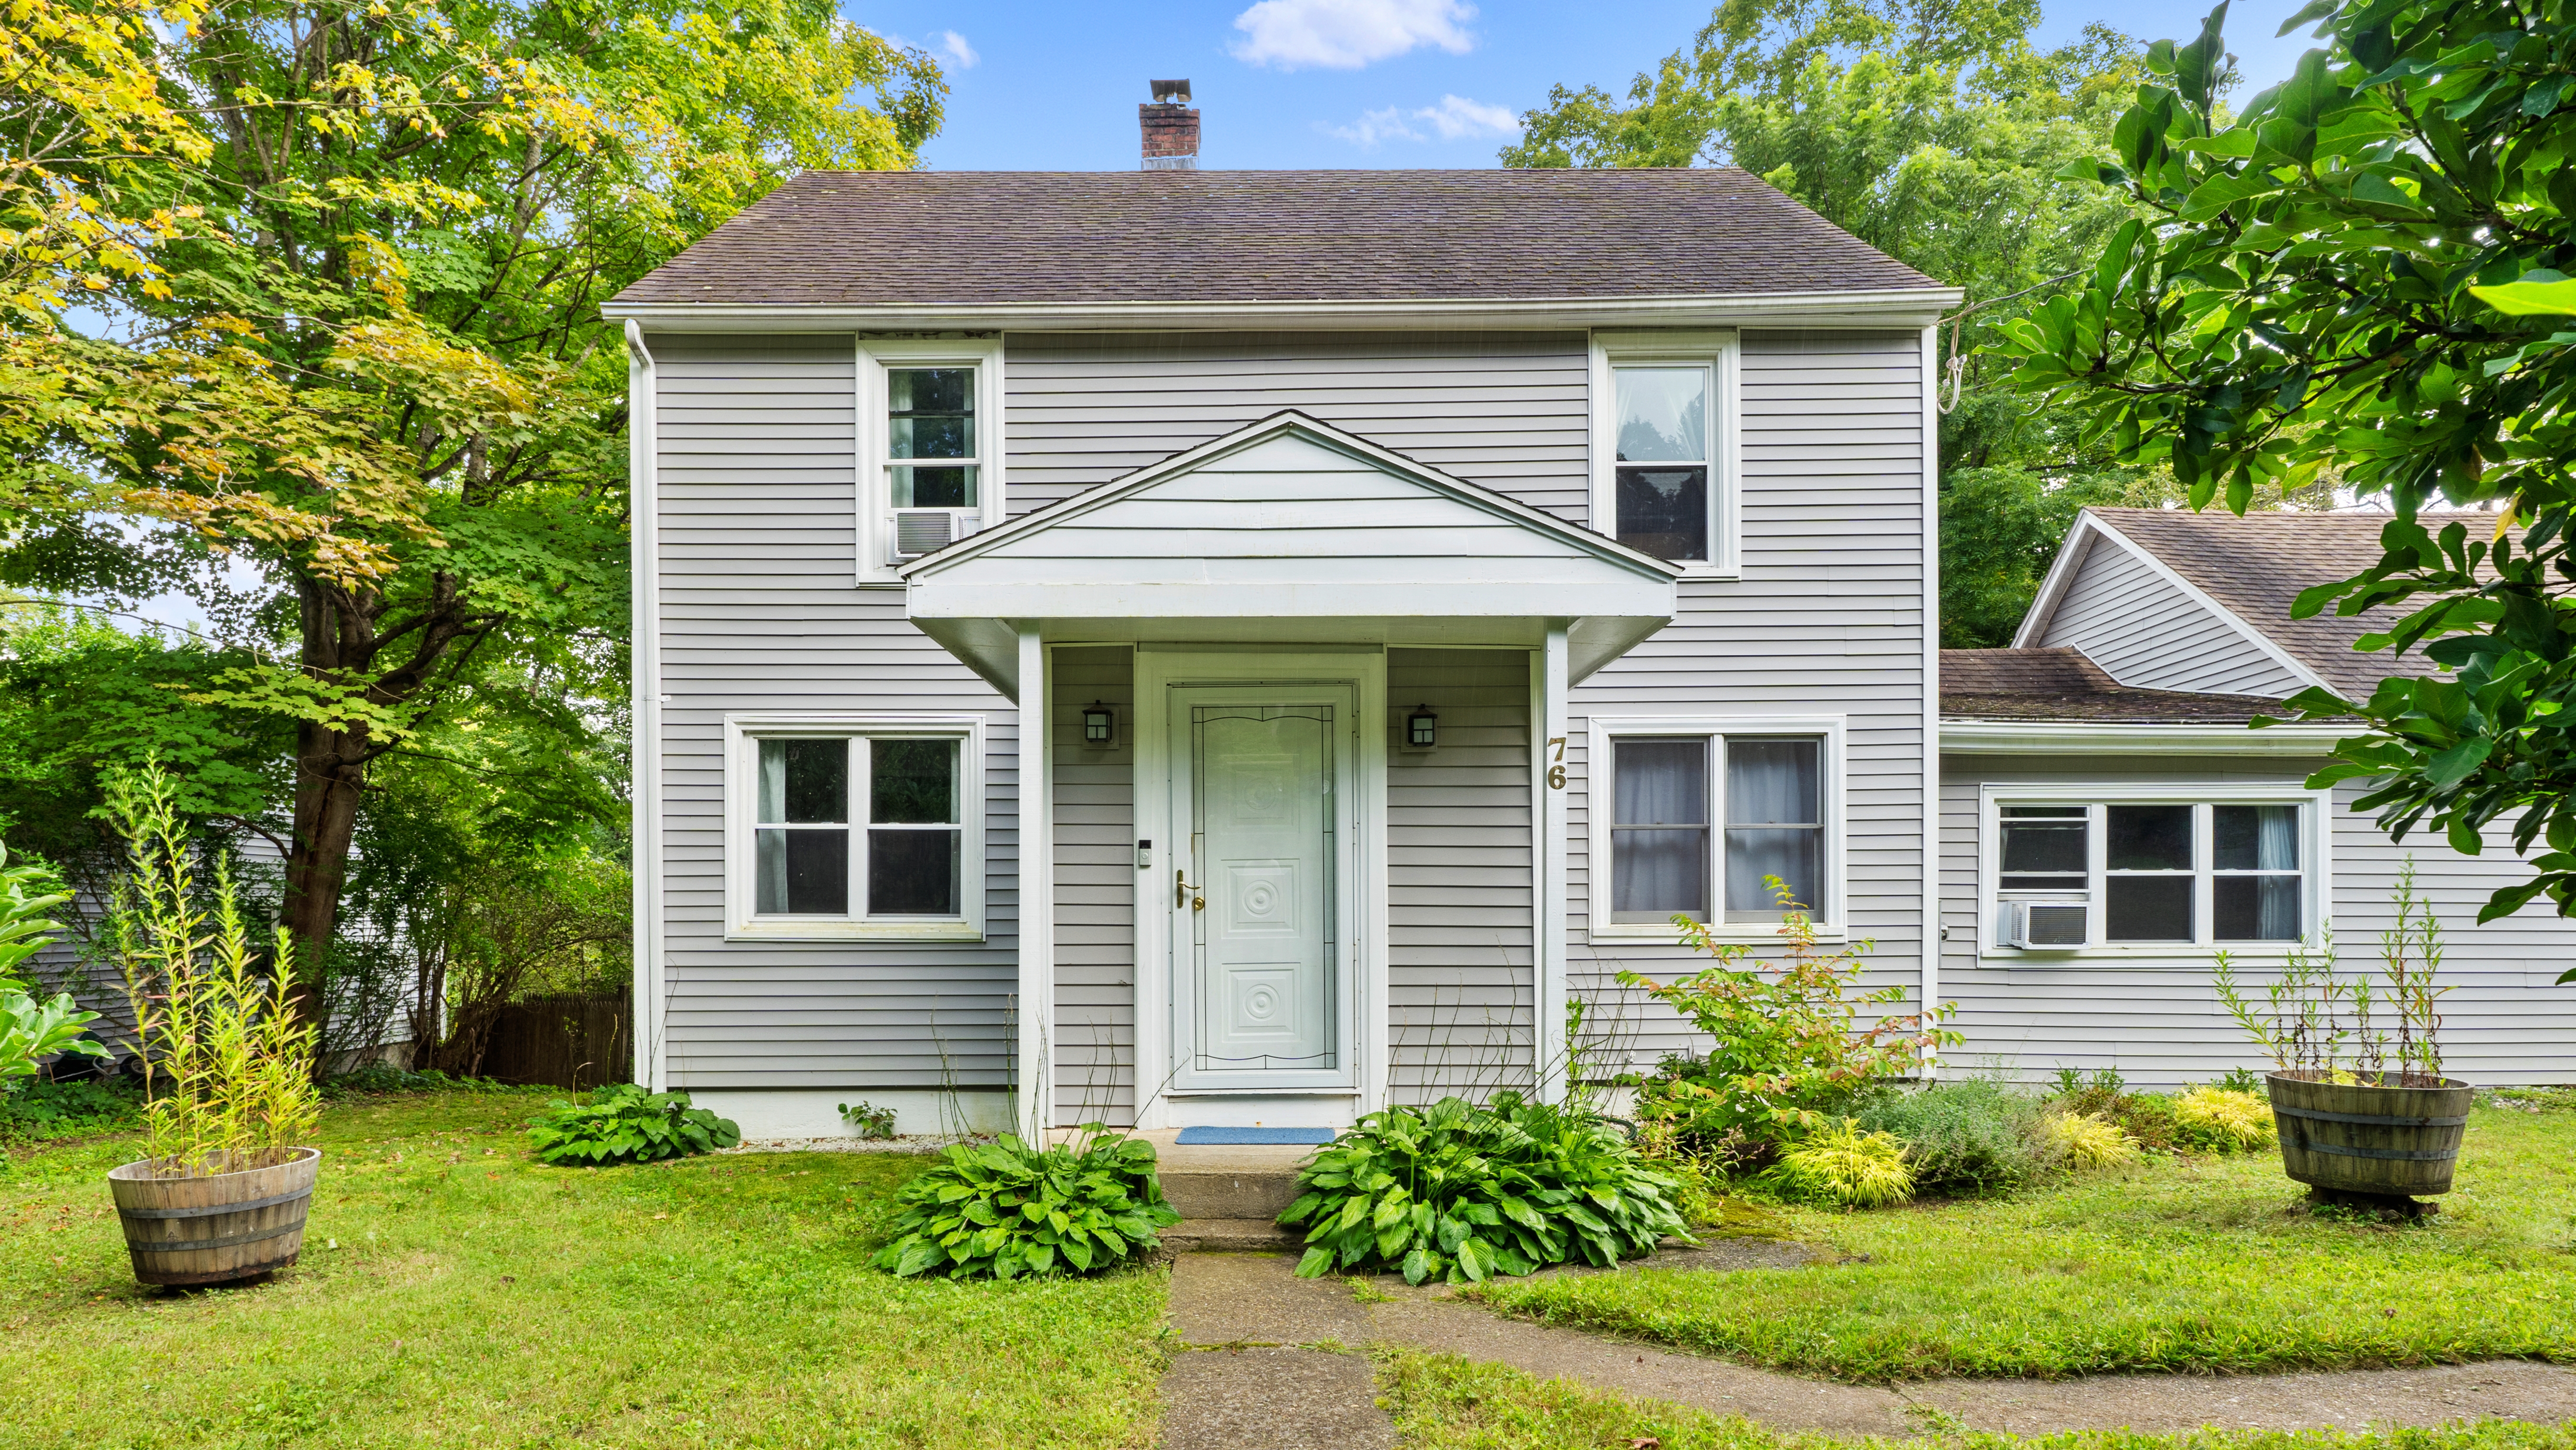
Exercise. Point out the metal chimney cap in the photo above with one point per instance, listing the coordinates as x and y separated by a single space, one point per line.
1171 93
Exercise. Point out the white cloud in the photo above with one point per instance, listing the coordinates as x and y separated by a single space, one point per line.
954 46
1454 119
1348 34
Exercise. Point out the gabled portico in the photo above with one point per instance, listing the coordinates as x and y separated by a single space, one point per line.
1261 577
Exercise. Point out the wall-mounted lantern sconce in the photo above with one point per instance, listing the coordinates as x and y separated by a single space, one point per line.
1422 728
1099 723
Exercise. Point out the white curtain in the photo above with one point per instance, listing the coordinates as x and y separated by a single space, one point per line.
1655 873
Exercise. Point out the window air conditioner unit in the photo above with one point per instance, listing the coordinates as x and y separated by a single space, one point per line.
2046 926
921 531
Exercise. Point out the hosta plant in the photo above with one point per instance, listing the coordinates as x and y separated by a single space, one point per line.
1462 1193
1003 1209
622 1123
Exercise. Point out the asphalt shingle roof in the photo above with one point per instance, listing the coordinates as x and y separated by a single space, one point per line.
2255 566
844 238
2059 683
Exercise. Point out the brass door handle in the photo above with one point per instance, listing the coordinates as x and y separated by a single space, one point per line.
1184 894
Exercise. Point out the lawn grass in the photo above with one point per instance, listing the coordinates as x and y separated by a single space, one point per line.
1442 1402
2196 1264
477 1298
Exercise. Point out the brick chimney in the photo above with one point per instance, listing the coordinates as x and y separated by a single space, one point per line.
1171 127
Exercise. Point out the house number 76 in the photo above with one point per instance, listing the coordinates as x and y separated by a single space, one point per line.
1556 772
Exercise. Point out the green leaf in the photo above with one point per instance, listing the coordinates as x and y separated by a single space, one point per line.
2530 299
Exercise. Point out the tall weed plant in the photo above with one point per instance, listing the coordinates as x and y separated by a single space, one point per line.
228 1070
1789 1051
2302 1018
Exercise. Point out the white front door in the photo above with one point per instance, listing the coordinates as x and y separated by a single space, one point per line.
1261 885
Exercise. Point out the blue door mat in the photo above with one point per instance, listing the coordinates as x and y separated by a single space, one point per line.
1213 1136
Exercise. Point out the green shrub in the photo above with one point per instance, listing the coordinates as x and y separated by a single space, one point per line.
1788 1052
43 1111
1966 1138
2223 1121
1462 1193
1845 1164
2089 1142
1003 1209
622 1123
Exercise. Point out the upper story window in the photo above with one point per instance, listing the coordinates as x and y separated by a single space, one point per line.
1696 817
929 445
2230 868
1664 445
854 826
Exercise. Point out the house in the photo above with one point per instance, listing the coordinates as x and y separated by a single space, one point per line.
2103 763
1250 647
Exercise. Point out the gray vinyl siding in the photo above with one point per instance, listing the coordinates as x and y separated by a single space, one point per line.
757 548
759 613
2157 1019
2147 633
1460 911
1827 619
1506 410
1095 890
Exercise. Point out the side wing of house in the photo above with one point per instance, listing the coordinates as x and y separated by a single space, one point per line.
2146 627
2151 1011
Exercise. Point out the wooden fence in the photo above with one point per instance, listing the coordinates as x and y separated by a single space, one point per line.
567 1042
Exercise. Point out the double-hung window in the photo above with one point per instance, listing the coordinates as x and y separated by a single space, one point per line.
930 447
1664 445
1698 818
2170 868
855 829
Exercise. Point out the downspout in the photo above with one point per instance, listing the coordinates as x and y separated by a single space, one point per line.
644 601
1931 882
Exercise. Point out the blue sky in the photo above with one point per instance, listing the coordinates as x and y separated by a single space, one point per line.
1330 83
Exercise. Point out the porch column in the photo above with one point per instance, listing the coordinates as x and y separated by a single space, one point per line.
1035 1107
1547 863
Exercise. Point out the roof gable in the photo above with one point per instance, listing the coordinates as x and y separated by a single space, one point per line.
1290 530
1290 500
2250 570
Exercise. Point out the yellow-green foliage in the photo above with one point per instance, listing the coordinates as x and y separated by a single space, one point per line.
2237 1120
1842 1164
228 1068
2085 1141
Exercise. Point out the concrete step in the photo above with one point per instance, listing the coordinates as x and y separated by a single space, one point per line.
1256 1181
1233 1236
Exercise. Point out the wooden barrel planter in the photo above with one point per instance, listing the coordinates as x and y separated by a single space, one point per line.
215 1228
2370 1138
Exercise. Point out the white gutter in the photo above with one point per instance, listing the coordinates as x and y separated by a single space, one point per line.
2069 737
1906 308
652 1067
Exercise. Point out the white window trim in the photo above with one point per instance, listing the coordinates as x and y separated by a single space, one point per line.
742 734
1829 915
875 355
2316 839
1722 353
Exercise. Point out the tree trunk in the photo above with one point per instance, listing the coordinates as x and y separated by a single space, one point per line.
330 771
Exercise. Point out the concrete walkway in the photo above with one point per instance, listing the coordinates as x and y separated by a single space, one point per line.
1277 1364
